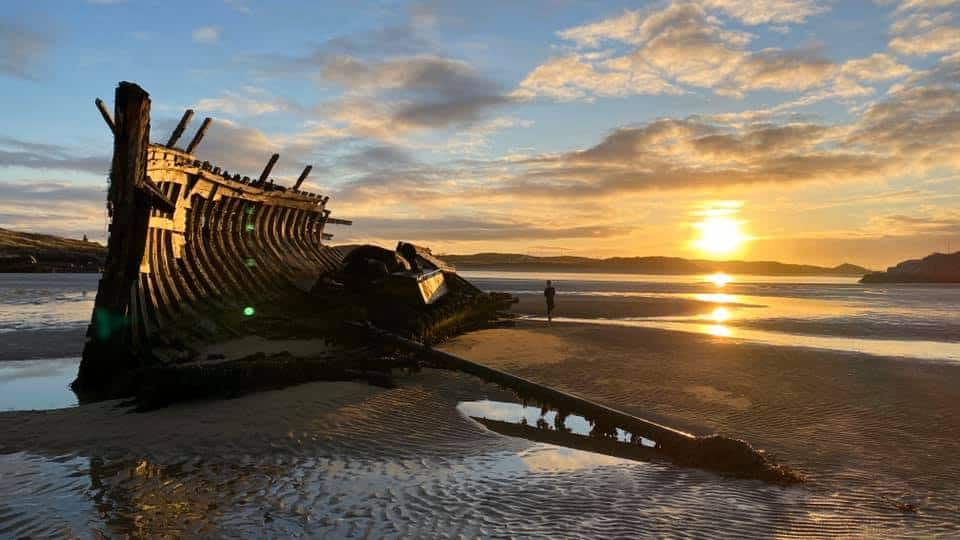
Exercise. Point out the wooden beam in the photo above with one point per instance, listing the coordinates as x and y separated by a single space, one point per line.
181 127
106 116
336 221
104 354
303 176
159 199
199 136
268 169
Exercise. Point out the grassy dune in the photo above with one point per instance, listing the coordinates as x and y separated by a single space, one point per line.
30 252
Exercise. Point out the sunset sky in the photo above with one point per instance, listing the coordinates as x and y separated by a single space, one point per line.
818 131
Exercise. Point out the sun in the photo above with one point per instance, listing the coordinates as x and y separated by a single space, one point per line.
719 235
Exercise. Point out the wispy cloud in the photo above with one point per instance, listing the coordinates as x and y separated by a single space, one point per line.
756 12
206 34
19 153
248 101
22 50
678 46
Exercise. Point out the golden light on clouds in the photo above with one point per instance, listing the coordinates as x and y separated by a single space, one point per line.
719 232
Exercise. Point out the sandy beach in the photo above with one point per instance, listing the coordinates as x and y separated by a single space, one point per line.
346 458
875 436
859 426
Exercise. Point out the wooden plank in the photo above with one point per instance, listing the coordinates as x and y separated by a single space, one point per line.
268 169
199 135
303 176
181 127
158 198
106 115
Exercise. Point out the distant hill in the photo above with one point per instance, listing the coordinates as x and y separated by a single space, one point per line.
29 252
643 265
935 268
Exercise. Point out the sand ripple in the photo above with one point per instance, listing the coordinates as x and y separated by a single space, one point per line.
334 460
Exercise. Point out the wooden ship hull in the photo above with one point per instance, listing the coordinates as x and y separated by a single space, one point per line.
188 241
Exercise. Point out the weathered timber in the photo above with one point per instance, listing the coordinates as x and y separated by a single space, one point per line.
159 198
107 338
268 169
192 252
106 115
201 131
181 127
303 176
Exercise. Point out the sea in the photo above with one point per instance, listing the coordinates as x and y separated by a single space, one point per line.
834 313
377 471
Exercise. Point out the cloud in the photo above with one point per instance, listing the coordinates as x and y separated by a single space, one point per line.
420 91
876 67
922 28
937 40
387 99
756 12
238 5
249 101
206 34
18 153
47 191
926 221
413 88
21 50
669 48
577 76
53 207
444 228
920 5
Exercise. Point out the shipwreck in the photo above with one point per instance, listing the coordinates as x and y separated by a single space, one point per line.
197 256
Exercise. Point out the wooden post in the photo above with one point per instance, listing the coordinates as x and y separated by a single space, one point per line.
303 176
181 127
106 115
199 136
106 350
266 170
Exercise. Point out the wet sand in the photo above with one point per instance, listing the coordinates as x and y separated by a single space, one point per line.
336 459
339 459
41 343
591 307
861 427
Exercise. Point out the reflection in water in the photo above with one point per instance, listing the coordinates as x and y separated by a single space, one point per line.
719 279
799 305
547 419
554 459
33 301
717 298
719 330
720 314
37 384
924 350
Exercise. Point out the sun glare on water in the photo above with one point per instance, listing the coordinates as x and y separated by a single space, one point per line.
719 279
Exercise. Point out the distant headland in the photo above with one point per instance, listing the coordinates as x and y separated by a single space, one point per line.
31 252
643 265
935 268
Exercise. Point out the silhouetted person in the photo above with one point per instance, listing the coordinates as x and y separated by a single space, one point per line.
549 293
